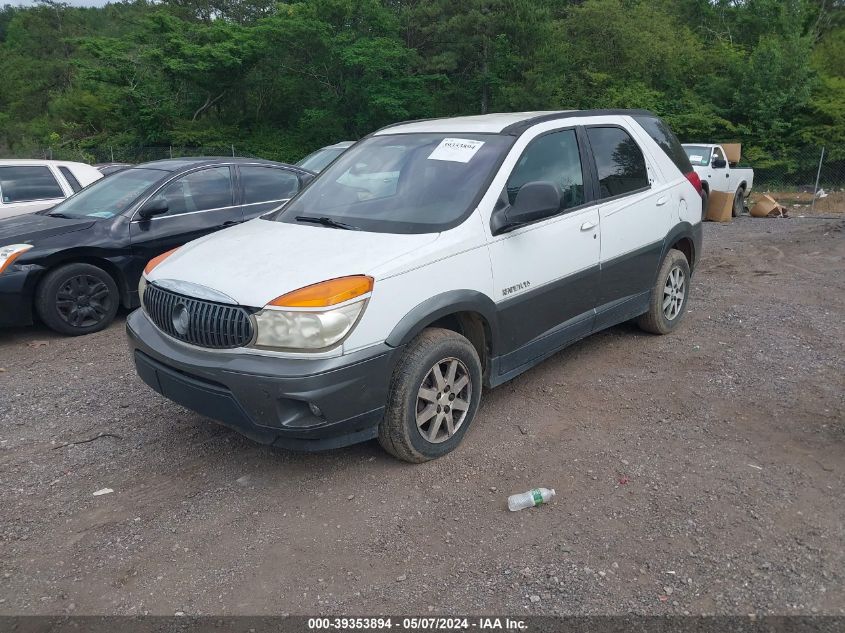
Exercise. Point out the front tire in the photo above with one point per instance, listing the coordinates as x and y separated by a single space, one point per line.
705 199
668 302
434 394
77 299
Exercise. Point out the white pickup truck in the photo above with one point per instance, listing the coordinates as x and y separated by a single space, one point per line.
711 164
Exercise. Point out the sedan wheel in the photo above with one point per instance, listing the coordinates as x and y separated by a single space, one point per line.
77 299
83 301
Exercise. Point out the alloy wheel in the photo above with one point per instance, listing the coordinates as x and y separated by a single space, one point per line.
443 400
673 293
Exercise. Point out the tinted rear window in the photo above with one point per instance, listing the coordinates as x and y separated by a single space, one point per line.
619 161
667 140
267 184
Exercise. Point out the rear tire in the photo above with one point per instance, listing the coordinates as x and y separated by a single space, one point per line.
739 202
77 299
668 302
434 395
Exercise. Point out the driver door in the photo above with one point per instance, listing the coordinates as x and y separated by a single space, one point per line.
545 274
199 203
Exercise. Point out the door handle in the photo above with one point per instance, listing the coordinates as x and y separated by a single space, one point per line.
662 200
588 226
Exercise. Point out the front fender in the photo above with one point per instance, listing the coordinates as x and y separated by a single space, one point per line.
439 306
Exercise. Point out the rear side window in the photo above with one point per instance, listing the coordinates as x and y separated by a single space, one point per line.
71 179
619 160
267 184
552 158
26 183
667 141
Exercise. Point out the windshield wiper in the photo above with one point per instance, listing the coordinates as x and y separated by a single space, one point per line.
327 222
60 215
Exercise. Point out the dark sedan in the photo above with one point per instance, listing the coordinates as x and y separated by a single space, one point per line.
75 264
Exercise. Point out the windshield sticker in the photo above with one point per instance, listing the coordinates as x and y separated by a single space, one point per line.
458 150
101 214
695 157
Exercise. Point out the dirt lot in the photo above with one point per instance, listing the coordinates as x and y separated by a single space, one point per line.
701 472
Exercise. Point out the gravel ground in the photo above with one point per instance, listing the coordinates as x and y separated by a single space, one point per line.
699 472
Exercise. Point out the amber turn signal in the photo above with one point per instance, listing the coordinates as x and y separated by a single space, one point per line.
155 261
326 293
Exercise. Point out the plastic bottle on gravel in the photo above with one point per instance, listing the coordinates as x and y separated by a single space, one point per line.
535 497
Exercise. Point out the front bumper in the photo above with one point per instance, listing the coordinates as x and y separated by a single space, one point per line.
16 296
267 398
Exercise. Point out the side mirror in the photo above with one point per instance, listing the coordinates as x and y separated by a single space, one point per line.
535 201
719 163
156 206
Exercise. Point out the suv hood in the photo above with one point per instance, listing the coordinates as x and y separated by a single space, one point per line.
257 261
29 228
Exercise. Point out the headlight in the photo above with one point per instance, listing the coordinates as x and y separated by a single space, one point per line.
10 253
314 317
305 329
142 287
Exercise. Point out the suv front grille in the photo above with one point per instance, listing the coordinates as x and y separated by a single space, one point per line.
196 321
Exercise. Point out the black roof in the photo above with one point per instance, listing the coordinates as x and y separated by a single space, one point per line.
178 164
520 126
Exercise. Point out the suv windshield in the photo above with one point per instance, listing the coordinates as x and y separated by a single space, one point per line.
110 196
698 154
402 183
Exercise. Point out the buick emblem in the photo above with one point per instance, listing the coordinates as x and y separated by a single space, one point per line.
181 318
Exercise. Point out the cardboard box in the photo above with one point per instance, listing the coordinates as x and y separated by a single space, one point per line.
733 152
768 207
720 206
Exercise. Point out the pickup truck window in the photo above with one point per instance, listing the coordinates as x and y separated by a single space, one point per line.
402 183
554 158
619 160
699 155
26 183
717 154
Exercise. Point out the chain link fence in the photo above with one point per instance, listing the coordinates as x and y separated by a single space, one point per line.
808 167
130 154
811 180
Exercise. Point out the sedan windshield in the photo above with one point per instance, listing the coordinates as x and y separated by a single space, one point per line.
401 183
698 155
110 196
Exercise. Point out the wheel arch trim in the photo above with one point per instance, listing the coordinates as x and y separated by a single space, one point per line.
683 230
443 305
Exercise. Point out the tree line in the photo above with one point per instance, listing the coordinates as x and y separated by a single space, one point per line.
282 78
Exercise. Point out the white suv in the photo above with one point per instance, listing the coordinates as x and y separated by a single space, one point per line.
430 259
